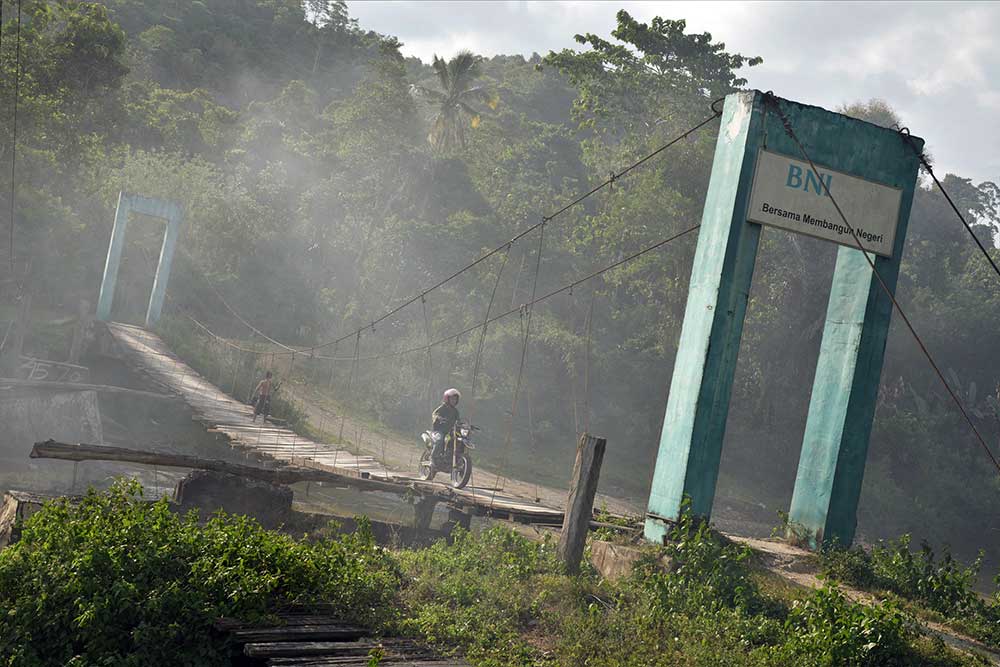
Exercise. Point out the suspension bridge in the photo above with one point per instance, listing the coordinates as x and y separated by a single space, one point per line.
753 124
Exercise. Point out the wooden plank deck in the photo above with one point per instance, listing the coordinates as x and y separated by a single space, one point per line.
218 412
318 640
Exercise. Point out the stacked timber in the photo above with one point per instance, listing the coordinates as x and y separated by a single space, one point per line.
306 638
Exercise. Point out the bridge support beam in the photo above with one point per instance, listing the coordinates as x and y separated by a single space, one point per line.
695 418
170 213
845 388
114 259
872 163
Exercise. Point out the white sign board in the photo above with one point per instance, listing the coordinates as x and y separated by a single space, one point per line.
786 193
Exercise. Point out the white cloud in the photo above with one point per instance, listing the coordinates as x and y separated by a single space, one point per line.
934 62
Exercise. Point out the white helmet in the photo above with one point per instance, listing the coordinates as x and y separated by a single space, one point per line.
451 392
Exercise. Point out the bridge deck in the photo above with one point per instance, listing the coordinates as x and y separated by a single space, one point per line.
145 352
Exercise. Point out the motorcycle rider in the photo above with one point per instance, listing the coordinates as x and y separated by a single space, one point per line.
444 417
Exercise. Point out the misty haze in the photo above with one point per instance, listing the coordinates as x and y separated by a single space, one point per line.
249 248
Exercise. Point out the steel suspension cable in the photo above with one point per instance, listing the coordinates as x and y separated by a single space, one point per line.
615 176
524 358
427 347
482 335
774 101
927 165
13 147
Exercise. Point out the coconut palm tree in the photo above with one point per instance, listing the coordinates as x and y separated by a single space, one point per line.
454 102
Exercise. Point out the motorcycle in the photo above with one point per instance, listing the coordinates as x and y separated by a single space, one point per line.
456 459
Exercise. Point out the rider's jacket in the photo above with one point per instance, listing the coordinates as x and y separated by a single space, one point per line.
444 418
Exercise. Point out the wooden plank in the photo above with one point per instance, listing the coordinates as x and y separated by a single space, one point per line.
362 661
303 632
295 649
222 414
392 649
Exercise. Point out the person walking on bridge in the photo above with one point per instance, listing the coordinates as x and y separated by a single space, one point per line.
262 398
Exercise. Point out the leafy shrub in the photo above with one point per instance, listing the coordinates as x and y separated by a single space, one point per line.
828 629
706 571
941 584
851 566
944 584
116 580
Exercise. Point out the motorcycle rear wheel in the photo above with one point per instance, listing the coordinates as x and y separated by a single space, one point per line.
462 472
425 469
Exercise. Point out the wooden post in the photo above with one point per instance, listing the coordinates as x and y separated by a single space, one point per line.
12 350
80 332
423 511
580 503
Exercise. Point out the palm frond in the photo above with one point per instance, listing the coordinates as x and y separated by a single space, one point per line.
444 76
464 69
480 94
429 94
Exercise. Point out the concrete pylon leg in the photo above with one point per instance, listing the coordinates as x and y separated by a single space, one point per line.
114 258
695 418
844 396
159 292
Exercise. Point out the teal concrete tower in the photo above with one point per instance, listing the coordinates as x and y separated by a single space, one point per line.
845 388
167 211
760 176
698 403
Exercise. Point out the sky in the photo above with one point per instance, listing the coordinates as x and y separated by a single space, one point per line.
934 63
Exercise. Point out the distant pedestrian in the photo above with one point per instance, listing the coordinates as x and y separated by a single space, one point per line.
262 398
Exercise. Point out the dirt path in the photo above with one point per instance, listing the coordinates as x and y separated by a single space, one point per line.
401 454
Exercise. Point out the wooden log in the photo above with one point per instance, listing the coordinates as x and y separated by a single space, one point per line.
580 503
80 386
285 475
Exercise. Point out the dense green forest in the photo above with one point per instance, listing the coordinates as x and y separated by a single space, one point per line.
326 179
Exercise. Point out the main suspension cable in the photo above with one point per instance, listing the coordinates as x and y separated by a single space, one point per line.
927 165
506 244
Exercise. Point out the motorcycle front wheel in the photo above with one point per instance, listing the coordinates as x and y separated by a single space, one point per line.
425 469
462 472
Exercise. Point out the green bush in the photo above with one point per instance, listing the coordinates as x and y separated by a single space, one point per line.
940 584
851 566
507 602
705 570
117 580
828 629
